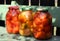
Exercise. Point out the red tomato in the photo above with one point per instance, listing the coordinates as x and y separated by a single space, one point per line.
34 24
21 18
48 28
8 16
45 21
49 34
9 29
14 18
14 22
40 35
16 30
37 21
30 23
40 27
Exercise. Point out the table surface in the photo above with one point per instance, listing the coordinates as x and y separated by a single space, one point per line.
4 36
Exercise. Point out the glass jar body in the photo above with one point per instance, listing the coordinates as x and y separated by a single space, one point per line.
12 23
42 25
25 19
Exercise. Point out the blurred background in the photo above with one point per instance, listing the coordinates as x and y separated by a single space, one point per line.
34 2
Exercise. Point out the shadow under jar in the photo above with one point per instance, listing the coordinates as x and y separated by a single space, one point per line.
12 23
42 24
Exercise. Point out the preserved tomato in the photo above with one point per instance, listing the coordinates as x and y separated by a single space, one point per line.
25 19
39 35
12 22
42 24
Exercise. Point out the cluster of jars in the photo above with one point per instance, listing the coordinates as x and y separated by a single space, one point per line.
29 23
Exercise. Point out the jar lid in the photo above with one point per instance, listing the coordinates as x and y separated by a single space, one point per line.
14 7
27 8
41 8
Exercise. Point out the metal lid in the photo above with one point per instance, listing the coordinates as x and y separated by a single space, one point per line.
41 8
27 8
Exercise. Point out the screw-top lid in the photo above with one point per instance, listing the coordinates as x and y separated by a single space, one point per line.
27 8
13 3
42 8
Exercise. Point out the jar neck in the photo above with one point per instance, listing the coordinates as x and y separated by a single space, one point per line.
13 9
27 10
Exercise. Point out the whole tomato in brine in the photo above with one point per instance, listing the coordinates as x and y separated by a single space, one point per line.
40 35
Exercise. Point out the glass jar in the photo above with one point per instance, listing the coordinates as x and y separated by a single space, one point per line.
12 23
42 24
25 19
